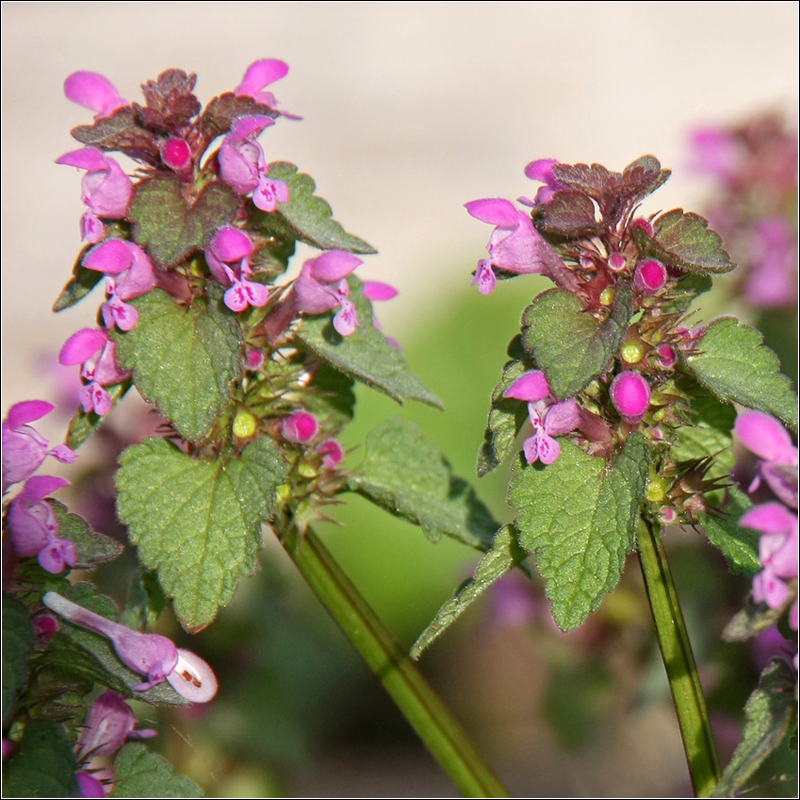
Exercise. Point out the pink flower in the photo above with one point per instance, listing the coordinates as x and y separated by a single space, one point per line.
322 286
24 448
93 348
259 75
332 453
33 527
177 154
763 435
716 152
650 276
148 654
109 723
772 281
542 170
514 246
243 166
630 394
105 189
550 418
95 92
133 276
227 256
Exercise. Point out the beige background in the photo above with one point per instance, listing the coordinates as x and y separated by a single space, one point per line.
410 109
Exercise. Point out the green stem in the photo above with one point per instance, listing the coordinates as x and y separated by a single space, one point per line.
676 650
410 691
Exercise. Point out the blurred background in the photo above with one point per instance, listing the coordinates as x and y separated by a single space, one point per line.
410 110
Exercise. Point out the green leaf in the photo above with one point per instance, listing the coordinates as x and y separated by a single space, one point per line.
504 555
118 132
411 478
79 285
83 424
306 217
506 418
366 355
140 773
578 516
684 240
770 714
91 547
570 345
17 646
183 359
732 361
44 766
739 545
168 227
708 435
198 522
331 396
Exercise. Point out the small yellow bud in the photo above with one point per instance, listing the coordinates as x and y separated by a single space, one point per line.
306 471
607 296
244 424
632 352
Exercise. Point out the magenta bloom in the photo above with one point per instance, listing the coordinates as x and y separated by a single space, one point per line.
95 92
177 154
322 286
227 256
763 435
542 170
550 418
514 246
243 166
24 448
133 276
650 276
93 348
716 152
332 453
33 527
630 394
259 75
105 189
89 786
772 282
300 427
146 653
109 723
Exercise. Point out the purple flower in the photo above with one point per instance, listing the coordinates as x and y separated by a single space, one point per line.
550 418
332 453
514 246
322 286
105 189
133 276
716 152
650 276
763 435
227 256
92 348
95 92
148 654
542 170
259 75
89 786
109 723
243 166
177 154
33 527
24 448
772 281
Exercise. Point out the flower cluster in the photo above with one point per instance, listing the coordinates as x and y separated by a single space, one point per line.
776 584
32 523
754 168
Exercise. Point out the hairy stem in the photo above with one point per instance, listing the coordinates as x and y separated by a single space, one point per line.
676 650
421 706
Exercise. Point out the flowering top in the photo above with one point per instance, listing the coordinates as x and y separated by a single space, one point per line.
95 92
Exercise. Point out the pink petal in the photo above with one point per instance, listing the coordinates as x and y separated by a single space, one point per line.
531 386
82 345
260 74
495 210
374 290
111 257
93 91
769 518
763 435
562 417
88 158
27 411
300 427
485 279
230 244
333 265
252 126
541 170
346 320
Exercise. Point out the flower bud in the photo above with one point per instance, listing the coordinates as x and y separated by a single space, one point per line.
176 154
300 427
650 276
630 393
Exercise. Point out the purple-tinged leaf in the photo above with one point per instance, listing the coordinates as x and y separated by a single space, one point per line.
123 132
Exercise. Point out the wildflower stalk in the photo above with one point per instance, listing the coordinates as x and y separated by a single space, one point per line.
421 706
676 651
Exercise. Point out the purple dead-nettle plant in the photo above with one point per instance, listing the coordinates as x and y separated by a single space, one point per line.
253 375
